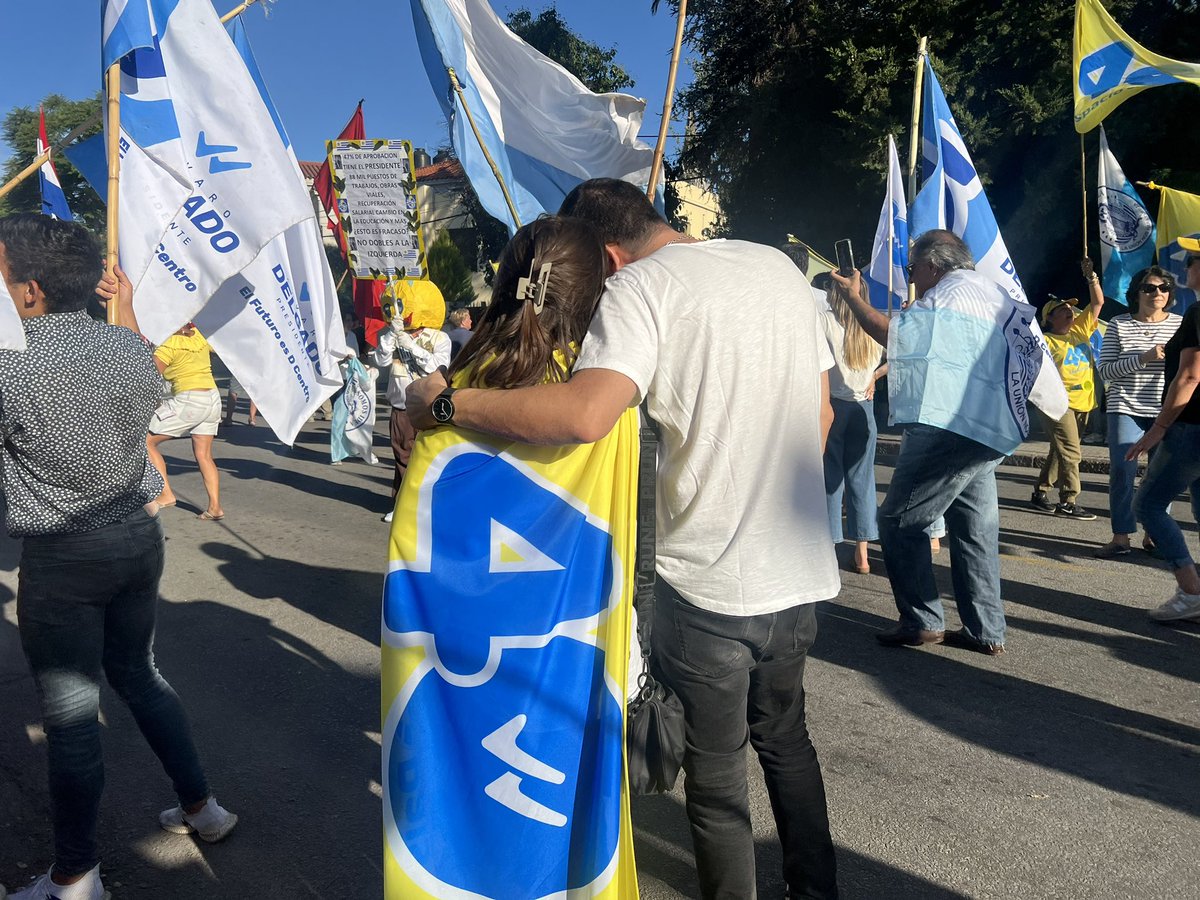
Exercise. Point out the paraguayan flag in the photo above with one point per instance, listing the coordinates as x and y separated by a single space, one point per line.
887 277
952 196
545 130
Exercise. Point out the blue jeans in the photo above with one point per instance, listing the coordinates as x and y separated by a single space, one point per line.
741 680
939 473
1123 432
86 604
1174 468
850 470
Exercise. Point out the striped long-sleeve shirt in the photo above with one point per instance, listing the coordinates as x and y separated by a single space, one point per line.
1131 386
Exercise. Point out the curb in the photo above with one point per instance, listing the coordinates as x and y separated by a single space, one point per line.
1030 457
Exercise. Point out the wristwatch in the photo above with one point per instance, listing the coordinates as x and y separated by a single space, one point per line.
443 407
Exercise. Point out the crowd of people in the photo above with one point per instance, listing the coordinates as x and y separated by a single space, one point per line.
743 553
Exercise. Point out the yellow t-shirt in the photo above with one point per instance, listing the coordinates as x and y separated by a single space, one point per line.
1070 352
188 363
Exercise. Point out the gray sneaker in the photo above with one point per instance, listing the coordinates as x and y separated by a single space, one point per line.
212 823
1181 607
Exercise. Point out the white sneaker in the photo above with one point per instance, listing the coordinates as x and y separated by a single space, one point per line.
1180 606
88 888
388 517
212 823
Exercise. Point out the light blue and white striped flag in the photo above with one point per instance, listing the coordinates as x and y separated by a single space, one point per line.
545 130
1127 233
890 251
952 196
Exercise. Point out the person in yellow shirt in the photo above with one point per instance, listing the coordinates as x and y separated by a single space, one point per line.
194 408
1068 332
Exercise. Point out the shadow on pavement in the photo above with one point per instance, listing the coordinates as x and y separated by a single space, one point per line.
1089 739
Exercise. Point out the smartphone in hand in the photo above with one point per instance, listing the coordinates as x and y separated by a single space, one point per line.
845 257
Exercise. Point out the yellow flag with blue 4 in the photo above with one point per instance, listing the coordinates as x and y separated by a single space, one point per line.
506 629
1178 216
1110 67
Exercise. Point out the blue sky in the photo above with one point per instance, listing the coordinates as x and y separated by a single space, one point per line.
318 64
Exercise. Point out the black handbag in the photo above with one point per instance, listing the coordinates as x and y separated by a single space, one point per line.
654 717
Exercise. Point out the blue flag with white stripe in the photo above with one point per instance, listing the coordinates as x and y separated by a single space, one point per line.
887 275
952 196
545 130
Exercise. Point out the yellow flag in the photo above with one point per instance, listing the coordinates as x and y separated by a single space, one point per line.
506 631
1110 67
1178 216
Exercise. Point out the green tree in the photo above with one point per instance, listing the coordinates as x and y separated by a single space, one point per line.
448 270
590 63
793 99
20 130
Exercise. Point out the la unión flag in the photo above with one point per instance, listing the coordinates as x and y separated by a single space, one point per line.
506 629
1127 234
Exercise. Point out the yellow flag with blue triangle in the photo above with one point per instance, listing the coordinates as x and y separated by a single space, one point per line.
506 631
1110 66
1178 217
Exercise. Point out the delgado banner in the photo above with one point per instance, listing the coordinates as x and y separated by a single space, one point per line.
506 624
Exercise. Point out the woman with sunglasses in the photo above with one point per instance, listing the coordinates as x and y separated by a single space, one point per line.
1131 364
1176 465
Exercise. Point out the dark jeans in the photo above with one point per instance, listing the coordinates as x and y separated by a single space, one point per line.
740 678
86 603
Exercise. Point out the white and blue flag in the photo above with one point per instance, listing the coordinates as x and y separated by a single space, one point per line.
887 276
216 221
952 196
1127 233
54 201
545 130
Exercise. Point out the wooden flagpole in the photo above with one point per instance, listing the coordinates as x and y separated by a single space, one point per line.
113 83
1083 186
512 207
668 102
891 245
914 136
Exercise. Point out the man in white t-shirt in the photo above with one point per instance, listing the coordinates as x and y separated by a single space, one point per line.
743 548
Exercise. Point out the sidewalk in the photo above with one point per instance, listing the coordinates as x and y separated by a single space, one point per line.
1031 454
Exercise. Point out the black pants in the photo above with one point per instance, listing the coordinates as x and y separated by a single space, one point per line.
740 678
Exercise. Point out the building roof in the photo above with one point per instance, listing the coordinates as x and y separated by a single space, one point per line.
446 169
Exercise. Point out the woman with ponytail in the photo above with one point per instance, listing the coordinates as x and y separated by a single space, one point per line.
850 450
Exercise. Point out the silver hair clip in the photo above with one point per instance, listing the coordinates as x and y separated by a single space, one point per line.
535 289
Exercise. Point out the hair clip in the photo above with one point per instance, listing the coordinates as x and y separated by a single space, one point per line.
535 289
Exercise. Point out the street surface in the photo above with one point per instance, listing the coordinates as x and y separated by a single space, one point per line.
1068 768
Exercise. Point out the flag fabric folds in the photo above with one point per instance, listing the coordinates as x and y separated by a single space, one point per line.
206 178
54 201
969 358
887 277
545 130
1110 67
1178 216
353 429
952 196
506 629
1126 230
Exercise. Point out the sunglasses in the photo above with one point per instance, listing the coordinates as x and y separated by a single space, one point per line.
1155 289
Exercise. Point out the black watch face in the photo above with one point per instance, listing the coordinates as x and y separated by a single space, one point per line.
443 409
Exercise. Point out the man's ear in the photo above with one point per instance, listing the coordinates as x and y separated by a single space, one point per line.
616 258
29 294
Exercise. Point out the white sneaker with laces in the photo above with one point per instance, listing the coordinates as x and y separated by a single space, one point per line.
90 887
212 823
1180 606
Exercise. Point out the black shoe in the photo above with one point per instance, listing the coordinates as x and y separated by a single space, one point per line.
909 637
960 638
1073 511
1041 500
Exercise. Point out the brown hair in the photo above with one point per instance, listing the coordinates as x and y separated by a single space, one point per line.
513 345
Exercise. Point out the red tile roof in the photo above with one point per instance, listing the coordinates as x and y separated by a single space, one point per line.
447 168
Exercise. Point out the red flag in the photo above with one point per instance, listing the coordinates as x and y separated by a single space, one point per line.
367 290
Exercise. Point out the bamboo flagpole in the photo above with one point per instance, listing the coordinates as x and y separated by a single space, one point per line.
113 83
668 102
914 139
512 207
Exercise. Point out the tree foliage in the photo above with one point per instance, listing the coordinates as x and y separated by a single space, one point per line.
590 63
448 270
793 100
20 130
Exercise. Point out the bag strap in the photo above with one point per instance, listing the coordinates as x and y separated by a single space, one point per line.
643 577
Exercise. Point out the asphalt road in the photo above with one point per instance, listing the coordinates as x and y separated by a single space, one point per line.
1068 768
